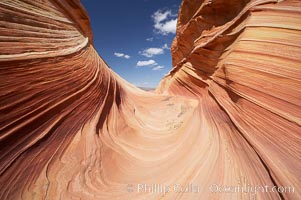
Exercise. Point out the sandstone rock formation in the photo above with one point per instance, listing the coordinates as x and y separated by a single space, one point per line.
227 114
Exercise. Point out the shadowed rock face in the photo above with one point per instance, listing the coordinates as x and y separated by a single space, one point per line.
228 113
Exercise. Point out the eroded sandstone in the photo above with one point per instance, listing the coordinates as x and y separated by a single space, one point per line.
228 113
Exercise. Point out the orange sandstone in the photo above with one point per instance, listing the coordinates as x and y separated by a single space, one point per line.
228 113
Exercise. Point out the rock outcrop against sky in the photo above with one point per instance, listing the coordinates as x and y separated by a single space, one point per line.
227 114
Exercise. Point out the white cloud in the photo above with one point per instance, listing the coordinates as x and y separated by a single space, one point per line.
164 22
145 63
150 39
167 27
165 46
153 51
159 67
160 16
122 55
145 83
150 52
119 54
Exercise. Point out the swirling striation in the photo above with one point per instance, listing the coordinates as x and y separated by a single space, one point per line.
228 113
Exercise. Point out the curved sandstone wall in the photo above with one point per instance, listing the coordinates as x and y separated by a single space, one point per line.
227 114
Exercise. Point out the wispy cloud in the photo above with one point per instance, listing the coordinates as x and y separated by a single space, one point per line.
150 52
160 15
122 55
150 39
145 63
127 56
153 51
165 46
164 22
159 67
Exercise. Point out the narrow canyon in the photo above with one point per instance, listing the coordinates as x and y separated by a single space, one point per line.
227 114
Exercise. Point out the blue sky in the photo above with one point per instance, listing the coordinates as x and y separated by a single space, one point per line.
134 36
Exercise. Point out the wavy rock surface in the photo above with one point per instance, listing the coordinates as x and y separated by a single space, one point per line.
228 113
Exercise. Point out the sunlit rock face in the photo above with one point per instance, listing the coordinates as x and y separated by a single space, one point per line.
242 60
227 115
